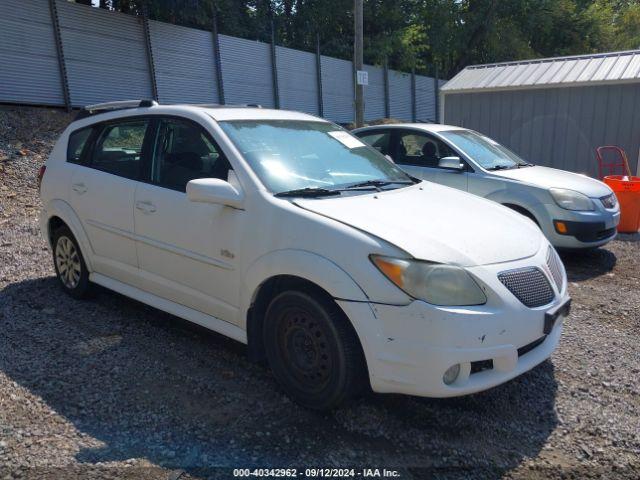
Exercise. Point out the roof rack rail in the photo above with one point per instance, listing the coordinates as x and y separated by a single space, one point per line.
218 105
89 110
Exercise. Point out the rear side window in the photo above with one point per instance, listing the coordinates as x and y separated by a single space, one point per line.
118 148
77 142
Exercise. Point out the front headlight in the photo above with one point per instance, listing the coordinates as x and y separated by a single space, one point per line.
571 200
435 283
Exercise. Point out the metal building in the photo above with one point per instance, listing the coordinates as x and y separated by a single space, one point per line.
552 111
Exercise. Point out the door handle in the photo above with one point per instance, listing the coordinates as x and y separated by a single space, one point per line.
79 188
146 207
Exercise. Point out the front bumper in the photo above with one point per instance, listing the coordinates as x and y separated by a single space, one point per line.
408 348
584 229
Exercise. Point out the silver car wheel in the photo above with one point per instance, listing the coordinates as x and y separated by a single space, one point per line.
68 262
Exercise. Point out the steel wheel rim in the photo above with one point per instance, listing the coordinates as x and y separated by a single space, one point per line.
305 349
68 262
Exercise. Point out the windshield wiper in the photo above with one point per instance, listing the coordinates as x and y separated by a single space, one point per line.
376 184
522 165
501 167
308 192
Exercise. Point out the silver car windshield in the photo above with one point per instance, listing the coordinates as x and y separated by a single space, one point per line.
291 155
488 153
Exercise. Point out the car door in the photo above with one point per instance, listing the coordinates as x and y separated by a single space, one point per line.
187 251
102 194
419 153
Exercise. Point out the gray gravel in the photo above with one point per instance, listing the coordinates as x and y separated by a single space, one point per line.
110 388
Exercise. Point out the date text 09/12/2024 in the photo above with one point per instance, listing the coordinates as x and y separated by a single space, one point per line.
316 473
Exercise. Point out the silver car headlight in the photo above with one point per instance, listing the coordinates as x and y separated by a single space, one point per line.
435 283
571 200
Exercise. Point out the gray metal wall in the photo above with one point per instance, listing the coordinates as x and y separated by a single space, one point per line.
29 71
184 64
104 53
297 80
109 56
246 70
399 101
558 127
374 94
337 89
425 99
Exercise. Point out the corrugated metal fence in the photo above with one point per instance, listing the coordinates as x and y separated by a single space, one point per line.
55 52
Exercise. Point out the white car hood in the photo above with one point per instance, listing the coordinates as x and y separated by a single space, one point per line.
436 223
546 177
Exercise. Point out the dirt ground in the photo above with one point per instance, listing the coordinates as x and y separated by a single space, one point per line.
110 388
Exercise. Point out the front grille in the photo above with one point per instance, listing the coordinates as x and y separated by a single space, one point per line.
555 267
610 201
529 285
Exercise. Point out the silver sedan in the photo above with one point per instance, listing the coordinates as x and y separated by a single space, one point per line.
573 210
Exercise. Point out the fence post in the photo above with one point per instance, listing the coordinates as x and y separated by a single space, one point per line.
274 66
414 114
436 91
387 105
147 41
216 56
319 75
57 37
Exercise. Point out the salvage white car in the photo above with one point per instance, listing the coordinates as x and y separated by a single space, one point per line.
283 231
573 211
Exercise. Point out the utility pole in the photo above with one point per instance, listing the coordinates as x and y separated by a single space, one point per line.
358 59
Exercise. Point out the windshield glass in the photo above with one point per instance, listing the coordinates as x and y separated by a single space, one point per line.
292 154
486 152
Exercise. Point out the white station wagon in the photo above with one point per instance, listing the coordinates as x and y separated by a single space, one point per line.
283 231
573 211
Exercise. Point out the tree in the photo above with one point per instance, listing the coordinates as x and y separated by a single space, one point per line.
417 33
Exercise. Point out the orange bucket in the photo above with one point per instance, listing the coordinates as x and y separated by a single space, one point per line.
627 189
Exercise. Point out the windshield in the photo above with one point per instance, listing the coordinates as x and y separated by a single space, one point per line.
291 155
488 153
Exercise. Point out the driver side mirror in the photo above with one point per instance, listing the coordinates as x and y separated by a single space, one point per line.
215 191
451 163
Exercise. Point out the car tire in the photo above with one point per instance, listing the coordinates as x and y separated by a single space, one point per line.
69 264
313 351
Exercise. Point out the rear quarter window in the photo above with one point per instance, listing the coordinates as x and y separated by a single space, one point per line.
77 143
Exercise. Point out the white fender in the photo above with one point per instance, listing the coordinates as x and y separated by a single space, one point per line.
300 263
60 208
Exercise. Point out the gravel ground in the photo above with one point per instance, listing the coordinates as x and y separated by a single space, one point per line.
110 388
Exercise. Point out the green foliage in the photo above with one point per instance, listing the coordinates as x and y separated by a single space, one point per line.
420 34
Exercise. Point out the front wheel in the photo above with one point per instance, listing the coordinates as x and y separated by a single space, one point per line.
313 350
69 264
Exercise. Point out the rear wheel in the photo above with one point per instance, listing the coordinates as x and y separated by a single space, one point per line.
69 264
312 349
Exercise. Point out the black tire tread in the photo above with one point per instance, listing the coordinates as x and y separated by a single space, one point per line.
355 375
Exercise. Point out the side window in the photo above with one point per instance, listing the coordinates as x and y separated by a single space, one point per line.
76 144
378 140
421 150
184 151
118 149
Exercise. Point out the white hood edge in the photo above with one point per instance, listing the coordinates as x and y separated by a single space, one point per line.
436 223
